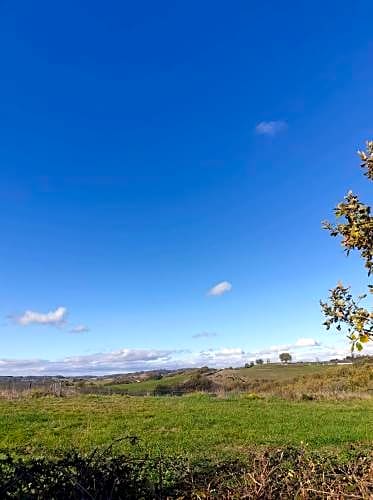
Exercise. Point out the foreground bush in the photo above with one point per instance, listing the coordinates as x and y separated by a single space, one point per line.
271 474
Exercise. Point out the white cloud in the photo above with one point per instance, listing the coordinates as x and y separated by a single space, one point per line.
271 128
56 317
130 360
204 335
79 329
300 343
229 351
220 288
123 360
306 342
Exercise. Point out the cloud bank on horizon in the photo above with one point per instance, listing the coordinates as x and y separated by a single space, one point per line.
131 360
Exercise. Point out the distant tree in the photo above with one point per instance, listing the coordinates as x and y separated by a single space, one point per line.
285 357
249 365
259 361
268 361
356 232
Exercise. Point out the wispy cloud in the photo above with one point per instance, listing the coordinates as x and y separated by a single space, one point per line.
220 288
204 335
79 329
56 317
271 128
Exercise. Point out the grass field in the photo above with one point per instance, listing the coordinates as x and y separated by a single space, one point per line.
151 384
278 372
228 377
264 379
195 425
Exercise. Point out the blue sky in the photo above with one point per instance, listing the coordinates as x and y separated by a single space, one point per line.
150 151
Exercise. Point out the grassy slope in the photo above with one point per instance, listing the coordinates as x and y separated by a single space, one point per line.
294 381
195 425
266 372
150 385
280 372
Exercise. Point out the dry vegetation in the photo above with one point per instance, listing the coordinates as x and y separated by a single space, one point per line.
285 473
330 382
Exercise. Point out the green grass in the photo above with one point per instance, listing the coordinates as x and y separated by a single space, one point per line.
279 372
193 425
270 372
151 384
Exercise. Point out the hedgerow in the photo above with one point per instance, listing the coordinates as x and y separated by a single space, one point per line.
265 474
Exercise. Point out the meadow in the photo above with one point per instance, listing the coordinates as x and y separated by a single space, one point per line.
267 372
295 381
261 432
150 385
195 425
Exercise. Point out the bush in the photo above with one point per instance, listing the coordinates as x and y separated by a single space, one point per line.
164 389
270 474
198 383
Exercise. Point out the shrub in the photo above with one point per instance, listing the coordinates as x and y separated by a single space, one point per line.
286 472
164 389
198 383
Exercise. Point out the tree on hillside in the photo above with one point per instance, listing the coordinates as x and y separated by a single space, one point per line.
356 232
259 361
285 357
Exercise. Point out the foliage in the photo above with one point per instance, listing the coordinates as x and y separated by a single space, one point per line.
356 233
259 361
198 383
343 310
272 473
164 389
285 357
367 160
